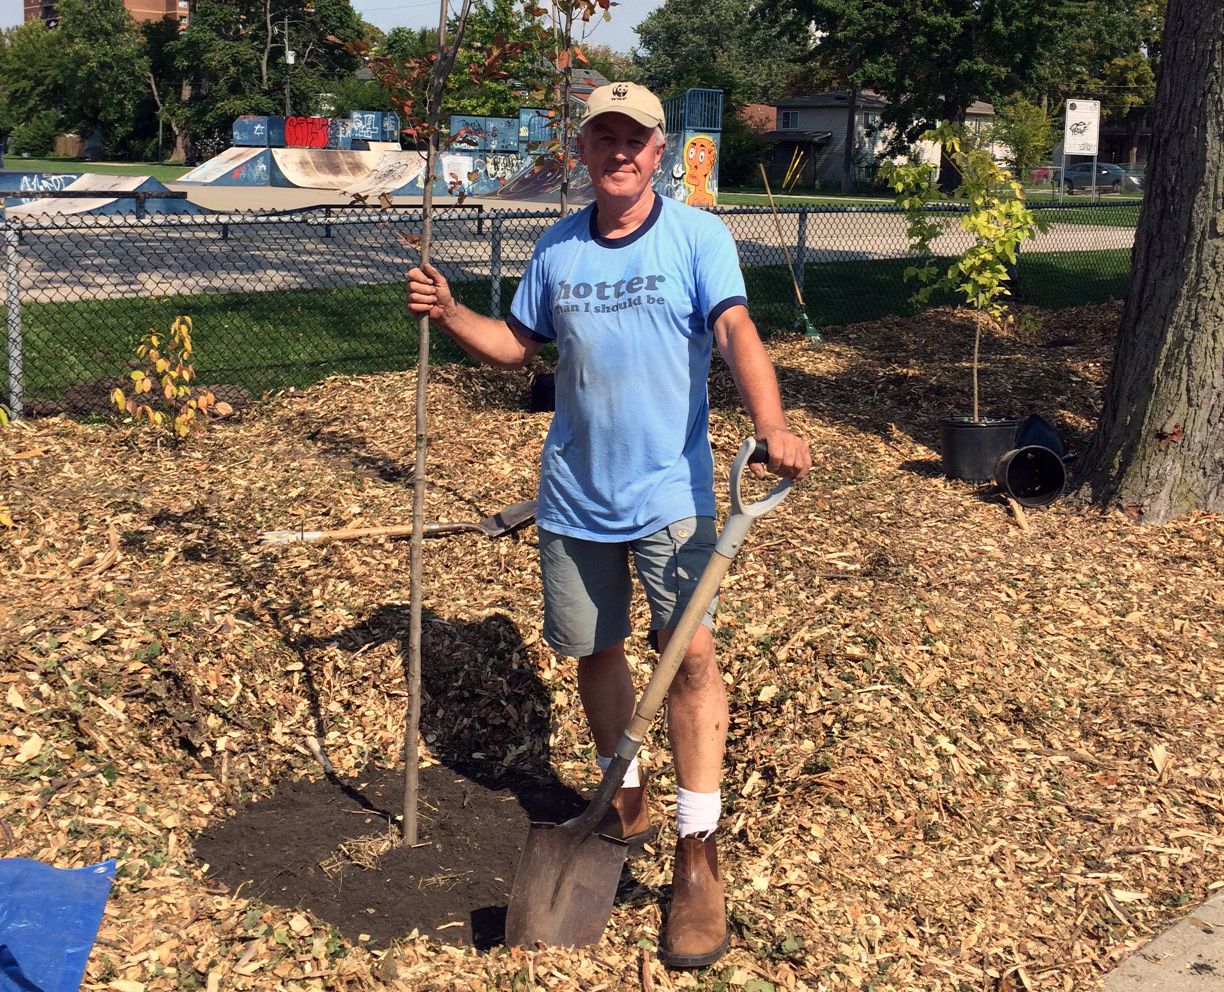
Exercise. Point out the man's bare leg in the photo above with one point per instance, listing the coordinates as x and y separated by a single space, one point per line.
606 690
697 715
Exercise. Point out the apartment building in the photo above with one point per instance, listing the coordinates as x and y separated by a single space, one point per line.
141 10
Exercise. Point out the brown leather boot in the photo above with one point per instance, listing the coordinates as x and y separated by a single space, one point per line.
628 819
696 933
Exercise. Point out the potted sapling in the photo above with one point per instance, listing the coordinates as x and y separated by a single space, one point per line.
995 214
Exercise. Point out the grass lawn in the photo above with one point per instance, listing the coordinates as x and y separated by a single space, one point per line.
162 173
748 198
1109 210
264 341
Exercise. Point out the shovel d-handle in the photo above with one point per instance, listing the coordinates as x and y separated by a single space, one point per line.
743 516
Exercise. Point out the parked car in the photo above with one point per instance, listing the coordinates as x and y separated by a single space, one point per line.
1106 176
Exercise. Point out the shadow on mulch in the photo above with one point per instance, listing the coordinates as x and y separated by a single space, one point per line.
324 845
302 847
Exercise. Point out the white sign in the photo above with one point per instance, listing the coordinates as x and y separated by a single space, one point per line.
290 57
1083 127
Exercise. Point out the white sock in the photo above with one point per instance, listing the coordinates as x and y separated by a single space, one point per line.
697 812
632 779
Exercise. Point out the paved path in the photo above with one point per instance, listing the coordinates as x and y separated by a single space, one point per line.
1188 957
103 258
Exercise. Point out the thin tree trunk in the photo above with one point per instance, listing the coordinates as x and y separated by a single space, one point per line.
567 78
847 183
263 76
412 721
977 359
412 725
1158 452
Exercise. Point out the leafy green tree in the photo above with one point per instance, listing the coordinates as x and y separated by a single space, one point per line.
350 93
105 66
612 65
220 57
724 44
931 58
31 73
1028 133
409 43
232 57
1107 50
496 24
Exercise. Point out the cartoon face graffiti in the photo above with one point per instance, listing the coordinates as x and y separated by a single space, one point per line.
700 156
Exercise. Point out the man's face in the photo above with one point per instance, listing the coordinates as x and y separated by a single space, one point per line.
621 155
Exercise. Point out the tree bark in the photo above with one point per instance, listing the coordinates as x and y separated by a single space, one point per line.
847 182
949 174
1158 452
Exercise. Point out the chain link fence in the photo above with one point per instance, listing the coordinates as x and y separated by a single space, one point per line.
285 299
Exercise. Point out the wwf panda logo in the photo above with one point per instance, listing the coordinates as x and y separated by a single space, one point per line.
620 91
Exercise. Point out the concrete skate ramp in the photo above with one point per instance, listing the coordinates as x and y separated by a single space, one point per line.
101 203
398 173
324 168
234 167
540 179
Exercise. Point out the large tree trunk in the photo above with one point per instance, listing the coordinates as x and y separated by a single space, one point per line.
1159 446
847 181
949 174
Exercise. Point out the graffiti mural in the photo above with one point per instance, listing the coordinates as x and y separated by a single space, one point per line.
253 131
364 124
306 132
536 126
699 159
40 182
689 171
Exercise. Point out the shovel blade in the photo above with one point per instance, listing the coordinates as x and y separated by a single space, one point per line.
564 888
509 519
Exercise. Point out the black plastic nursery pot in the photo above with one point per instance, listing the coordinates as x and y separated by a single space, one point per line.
1032 476
971 448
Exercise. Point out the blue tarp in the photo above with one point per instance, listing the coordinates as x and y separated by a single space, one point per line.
49 918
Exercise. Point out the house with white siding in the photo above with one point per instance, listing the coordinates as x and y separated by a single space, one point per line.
810 135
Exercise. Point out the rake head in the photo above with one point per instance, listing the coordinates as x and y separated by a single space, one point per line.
804 323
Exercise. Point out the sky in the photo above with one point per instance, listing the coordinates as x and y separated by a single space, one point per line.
617 34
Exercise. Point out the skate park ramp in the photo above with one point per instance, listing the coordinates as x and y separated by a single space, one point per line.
324 168
540 180
98 196
235 167
398 173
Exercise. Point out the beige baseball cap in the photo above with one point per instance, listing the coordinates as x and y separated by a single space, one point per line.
630 99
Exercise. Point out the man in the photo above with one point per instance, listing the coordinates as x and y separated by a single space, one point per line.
632 289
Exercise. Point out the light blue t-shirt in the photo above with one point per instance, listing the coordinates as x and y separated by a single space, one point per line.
628 451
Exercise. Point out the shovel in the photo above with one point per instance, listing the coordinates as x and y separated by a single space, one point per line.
567 875
503 522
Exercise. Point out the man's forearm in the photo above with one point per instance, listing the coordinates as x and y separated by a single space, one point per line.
491 341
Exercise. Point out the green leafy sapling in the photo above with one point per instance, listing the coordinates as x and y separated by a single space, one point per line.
996 215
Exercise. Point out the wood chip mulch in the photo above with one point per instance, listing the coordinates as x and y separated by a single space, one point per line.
967 752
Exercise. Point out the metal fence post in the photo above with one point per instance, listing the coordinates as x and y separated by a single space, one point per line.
801 245
495 287
12 299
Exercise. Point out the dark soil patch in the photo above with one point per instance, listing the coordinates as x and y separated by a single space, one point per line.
453 886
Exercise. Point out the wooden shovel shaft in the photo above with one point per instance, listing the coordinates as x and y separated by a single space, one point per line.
355 533
673 654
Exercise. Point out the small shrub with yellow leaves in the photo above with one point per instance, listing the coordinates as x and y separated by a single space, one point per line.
162 393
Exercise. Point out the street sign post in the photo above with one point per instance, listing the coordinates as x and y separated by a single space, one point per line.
1081 136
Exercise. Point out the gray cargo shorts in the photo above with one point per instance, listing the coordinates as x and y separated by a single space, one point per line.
587 587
